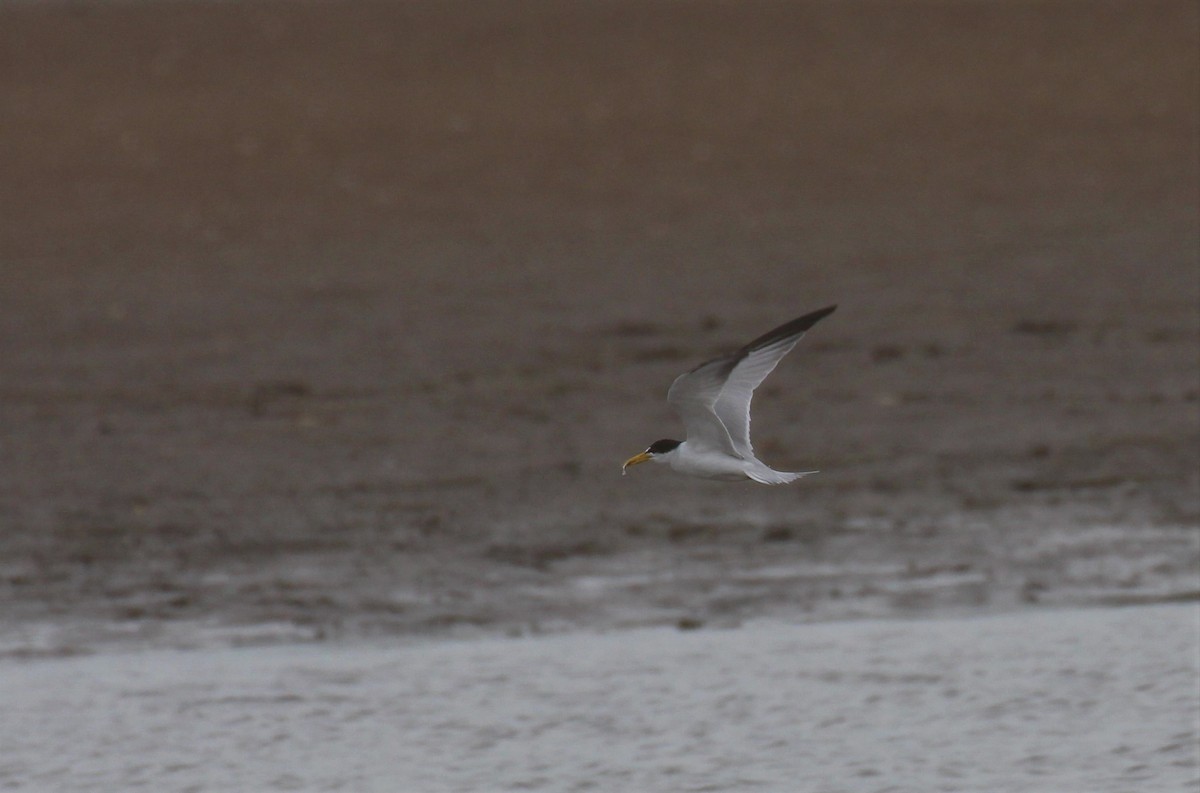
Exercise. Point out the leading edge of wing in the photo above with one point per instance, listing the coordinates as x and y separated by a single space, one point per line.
786 330
725 364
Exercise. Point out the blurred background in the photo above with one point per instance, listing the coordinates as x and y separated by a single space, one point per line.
338 318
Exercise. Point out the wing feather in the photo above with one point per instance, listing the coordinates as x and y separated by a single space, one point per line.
693 396
713 400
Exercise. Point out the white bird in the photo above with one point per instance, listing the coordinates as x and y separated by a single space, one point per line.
714 402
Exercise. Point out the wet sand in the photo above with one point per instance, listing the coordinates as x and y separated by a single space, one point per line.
1102 700
330 319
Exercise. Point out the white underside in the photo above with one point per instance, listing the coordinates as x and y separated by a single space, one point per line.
708 464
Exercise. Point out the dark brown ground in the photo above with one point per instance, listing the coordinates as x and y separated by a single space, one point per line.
342 316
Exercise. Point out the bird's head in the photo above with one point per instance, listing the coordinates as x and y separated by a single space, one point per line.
656 451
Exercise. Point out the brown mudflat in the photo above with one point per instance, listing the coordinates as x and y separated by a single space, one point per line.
344 315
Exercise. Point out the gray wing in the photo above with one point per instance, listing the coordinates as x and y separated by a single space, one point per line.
714 398
694 396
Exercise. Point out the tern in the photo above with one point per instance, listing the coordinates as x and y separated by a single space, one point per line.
713 400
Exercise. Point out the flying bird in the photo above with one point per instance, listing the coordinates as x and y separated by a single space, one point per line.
714 402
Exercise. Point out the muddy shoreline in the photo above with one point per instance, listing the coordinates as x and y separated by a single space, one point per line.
342 316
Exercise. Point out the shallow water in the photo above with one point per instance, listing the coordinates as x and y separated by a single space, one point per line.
1095 700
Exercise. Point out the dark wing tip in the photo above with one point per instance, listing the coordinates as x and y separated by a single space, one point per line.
808 320
788 329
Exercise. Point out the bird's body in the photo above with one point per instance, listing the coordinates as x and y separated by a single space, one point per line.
714 402
709 464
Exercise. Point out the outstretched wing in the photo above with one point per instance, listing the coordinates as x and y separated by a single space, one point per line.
693 395
714 398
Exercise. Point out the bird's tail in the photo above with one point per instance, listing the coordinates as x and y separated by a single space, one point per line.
769 476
